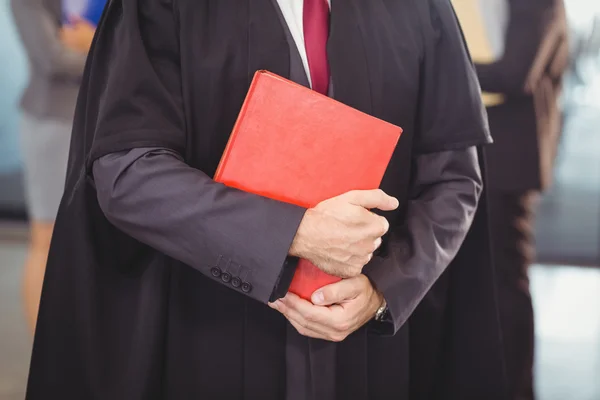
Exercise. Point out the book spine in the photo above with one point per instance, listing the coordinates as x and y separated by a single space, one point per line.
236 127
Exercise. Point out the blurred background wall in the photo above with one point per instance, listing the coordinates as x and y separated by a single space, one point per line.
568 228
13 76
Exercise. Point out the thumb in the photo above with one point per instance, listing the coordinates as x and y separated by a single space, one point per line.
336 293
371 199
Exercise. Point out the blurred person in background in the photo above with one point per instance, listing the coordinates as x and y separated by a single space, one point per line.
57 55
520 50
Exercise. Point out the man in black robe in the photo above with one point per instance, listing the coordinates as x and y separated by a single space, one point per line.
159 279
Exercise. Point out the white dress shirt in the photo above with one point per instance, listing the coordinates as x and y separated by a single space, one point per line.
292 11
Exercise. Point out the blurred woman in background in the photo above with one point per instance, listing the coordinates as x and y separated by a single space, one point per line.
57 57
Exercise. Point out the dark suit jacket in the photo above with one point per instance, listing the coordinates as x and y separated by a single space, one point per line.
527 125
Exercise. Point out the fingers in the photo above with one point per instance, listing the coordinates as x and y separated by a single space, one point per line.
311 320
307 332
332 323
337 293
371 199
340 235
305 312
303 330
305 320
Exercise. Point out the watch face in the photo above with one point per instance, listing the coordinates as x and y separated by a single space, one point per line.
381 312
385 315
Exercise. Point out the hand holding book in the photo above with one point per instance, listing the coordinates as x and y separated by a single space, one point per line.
340 235
297 146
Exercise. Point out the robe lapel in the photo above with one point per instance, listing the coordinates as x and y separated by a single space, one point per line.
297 71
268 48
347 56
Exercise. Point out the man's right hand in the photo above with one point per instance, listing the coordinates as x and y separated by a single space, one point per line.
340 234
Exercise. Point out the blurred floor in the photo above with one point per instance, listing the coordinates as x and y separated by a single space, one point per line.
12 198
14 336
568 326
567 304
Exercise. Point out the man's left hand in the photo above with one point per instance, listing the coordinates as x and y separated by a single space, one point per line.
336 311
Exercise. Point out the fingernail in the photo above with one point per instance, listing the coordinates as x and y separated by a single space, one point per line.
318 298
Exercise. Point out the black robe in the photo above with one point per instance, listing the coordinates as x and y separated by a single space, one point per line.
119 320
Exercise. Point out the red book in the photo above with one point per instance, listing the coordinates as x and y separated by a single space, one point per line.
295 145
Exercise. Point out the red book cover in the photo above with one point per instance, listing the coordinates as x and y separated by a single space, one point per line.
295 145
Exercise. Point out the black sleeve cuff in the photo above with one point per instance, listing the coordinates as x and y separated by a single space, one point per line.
285 278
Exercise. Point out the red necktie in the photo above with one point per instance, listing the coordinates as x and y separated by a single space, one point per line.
316 30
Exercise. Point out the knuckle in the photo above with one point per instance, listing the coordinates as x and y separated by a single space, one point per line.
303 332
304 324
342 327
354 273
349 273
309 318
377 244
329 294
357 215
346 259
356 268
362 261
338 338
350 195
354 214
385 225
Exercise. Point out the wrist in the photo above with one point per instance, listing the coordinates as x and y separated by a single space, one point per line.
299 246
379 304
381 311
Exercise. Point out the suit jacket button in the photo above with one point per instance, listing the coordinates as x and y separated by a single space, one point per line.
216 272
236 282
226 277
246 287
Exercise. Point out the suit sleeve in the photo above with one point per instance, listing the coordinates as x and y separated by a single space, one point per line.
445 193
39 33
528 24
145 188
446 180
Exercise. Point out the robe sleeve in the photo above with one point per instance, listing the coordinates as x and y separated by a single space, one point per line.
451 114
444 197
145 188
446 180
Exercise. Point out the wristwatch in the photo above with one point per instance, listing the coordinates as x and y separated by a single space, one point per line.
381 312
